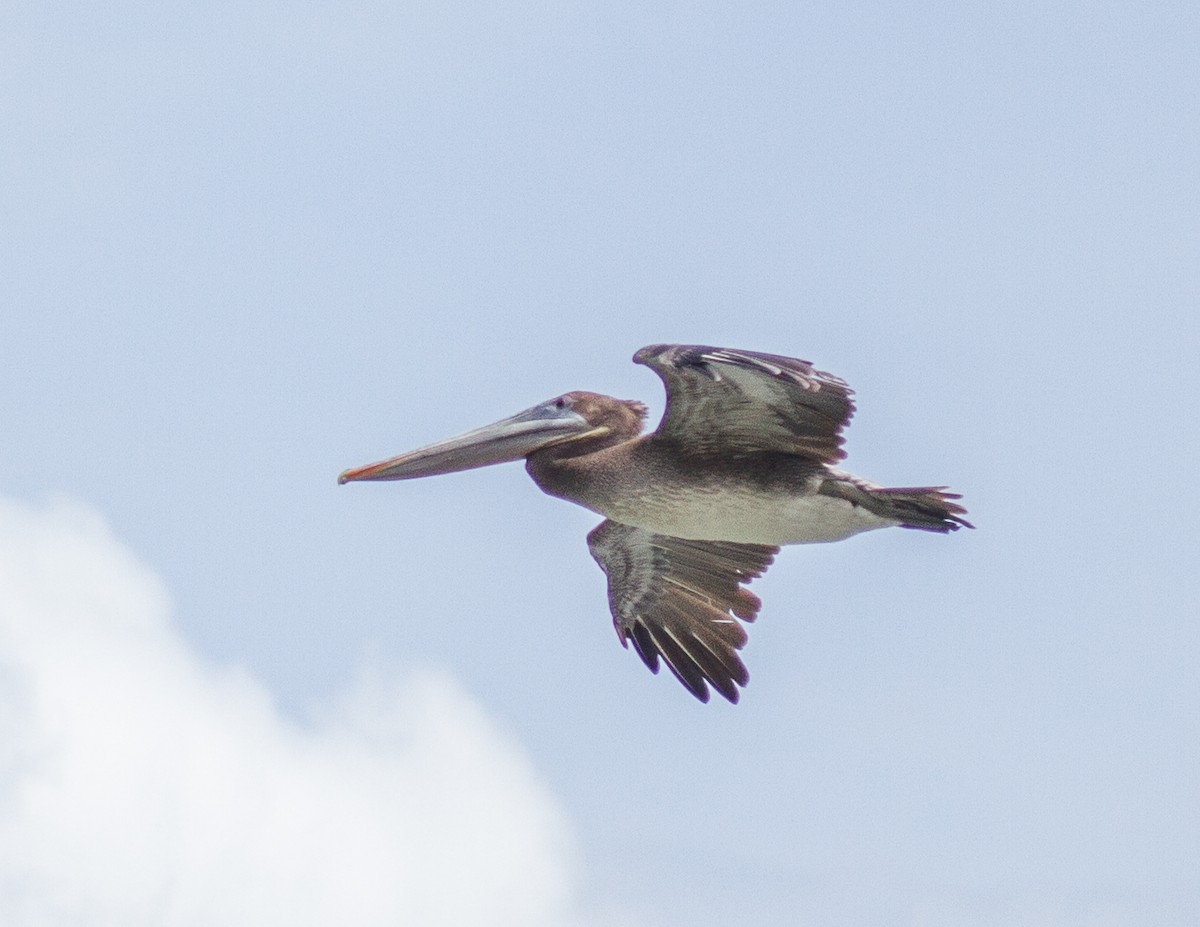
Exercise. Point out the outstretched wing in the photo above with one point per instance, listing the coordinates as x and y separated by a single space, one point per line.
680 600
721 400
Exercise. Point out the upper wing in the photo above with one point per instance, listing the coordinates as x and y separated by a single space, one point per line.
720 399
678 598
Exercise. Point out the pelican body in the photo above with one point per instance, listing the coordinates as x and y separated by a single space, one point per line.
742 463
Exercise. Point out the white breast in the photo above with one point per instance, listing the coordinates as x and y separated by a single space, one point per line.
749 517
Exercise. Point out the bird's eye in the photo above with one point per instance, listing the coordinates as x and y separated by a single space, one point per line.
560 403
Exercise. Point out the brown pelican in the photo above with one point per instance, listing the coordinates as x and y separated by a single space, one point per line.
742 463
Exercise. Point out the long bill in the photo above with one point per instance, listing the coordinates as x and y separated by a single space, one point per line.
509 439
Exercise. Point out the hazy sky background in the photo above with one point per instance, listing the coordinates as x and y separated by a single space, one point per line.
245 246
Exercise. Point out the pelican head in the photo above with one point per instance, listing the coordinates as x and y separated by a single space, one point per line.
571 417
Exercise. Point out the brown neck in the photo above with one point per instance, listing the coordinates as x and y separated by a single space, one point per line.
573 471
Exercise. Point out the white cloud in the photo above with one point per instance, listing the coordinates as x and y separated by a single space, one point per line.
140 784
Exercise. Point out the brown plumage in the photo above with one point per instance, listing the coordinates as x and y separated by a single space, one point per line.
741 463
680 598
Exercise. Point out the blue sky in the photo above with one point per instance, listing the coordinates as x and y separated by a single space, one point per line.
245 246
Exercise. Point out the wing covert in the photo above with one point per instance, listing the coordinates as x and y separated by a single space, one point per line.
727 400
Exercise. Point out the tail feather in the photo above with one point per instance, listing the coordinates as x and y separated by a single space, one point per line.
926 508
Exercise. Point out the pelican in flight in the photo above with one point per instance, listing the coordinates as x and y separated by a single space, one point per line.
743 462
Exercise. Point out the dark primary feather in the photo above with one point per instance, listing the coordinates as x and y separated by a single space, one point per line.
677 599
722 400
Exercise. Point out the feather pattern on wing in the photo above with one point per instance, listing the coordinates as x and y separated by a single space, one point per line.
680 599
721 400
